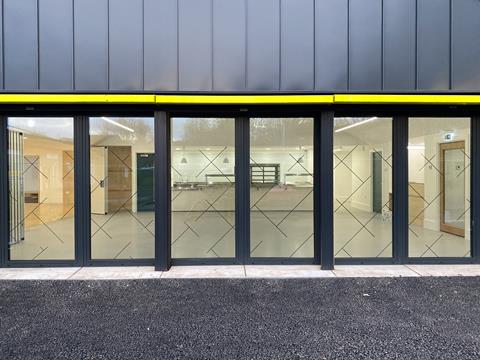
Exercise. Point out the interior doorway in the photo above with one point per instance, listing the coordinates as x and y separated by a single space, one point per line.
377 182
452 188
145 182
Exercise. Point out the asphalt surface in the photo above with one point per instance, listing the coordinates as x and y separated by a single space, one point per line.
395 318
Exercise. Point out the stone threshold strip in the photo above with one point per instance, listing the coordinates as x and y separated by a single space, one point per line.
236 272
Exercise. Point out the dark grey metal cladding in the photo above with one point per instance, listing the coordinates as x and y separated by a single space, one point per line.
91 44
1 47
399 34
263 44
20 44
365 45
240 45
195 44
465 44
297 45
229 45
433 44
160 43
56 41
125 44
331 45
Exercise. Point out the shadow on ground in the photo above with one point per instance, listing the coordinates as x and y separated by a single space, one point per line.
394 318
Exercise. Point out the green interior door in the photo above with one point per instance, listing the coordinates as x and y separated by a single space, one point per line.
377 182
145 182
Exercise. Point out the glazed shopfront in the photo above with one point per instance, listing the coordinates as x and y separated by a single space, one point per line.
239 132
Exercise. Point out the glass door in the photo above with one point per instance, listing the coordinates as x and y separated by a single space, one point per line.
203 188
281 188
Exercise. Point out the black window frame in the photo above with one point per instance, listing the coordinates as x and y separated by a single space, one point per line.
323 176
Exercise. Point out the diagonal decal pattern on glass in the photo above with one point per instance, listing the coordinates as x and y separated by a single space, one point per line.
210 205
343 204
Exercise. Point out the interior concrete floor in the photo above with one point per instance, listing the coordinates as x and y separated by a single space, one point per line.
128 235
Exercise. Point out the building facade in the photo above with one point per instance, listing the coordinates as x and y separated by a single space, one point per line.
239 131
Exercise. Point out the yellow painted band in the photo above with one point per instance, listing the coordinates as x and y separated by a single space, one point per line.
239 99
75 99
244 99
407 99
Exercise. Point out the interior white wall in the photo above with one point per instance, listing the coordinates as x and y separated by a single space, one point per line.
50 153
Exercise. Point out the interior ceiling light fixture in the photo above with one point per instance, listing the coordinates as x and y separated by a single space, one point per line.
113 122
357 124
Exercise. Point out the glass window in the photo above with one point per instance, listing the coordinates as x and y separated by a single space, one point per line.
41 188
362 160
203 187
122 160
439 187
281 190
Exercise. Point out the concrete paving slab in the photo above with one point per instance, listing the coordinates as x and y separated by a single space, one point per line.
57 273
205 271
286 271
374 271
116 273
446 270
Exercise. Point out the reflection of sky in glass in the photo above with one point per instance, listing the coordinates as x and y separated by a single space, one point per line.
178 131
54 128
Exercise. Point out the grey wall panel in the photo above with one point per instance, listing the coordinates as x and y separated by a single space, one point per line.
195 44
1 46
126 44
465 45
56 44
331 45
91 45
433 44
21 51
229 44
297 45
399 43
263 44
160 42
365 46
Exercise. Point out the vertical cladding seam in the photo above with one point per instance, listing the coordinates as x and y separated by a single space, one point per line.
416 44
348 44
314 83
3 43
212 29
143 44
38 44
450 58
108 44
73 46
178 44
279 44
246 45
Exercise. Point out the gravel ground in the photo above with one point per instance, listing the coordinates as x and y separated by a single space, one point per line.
394 318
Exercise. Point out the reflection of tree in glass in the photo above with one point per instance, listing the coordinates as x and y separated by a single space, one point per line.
281 131
208 132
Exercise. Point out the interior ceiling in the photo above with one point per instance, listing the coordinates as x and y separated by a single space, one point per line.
373 132
379 130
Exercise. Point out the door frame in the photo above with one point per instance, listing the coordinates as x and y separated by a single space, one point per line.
453 145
